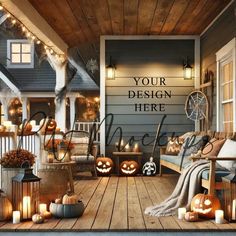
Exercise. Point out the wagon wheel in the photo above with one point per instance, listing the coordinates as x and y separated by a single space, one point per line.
196 106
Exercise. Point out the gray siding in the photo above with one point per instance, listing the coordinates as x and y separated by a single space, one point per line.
42 77
219 34
157 58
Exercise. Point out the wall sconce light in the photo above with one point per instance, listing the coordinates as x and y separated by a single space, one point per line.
110 70
188 70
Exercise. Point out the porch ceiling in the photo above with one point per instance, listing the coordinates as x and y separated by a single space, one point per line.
83 21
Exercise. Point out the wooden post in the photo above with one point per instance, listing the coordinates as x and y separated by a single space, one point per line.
59 65
211 187
72 111
24 101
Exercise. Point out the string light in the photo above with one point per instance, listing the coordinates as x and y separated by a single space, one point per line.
28 33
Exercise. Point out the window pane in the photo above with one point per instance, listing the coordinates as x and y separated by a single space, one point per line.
228 91
26 48
227 72
15 48
26 58
228 111
228 127
15 58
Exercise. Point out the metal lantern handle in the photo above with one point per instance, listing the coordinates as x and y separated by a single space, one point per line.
25 164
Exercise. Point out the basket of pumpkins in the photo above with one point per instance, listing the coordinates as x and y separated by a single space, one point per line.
69 206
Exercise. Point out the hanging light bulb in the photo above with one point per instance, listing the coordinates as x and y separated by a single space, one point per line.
8 15
51 51
13 21
1 7
38 42
33 37
45 47
23 28
28 34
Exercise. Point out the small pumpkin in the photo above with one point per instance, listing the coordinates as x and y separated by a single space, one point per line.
129 167
2 128
47 215
205 205
149 168
27 128
191 216
70 198
104 165
5 207
47 125
58 201
38 219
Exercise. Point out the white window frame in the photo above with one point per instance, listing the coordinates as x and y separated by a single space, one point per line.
224 56
19 65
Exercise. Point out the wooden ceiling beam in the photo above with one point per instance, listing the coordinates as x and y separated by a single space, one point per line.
146 12
29 16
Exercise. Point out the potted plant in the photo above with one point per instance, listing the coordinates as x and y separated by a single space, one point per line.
12 162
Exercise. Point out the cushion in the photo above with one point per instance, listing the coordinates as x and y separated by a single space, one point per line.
228 150
192 145
213 147
176 160
174 146
83 159
218 174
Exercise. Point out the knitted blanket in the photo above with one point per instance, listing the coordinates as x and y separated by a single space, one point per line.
187 187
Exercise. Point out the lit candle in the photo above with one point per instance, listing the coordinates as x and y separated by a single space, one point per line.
181 213
50 157
16 217
42 208
127 147
26 207
33 123
136 147
219 217
58 129
7 124
234 210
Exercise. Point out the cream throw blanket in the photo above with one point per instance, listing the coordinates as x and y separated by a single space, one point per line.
188 186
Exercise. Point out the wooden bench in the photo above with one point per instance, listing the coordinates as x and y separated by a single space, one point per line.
211 184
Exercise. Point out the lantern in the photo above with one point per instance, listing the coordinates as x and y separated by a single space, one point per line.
229 186
50 156
187 70
63 152
110 71
25 193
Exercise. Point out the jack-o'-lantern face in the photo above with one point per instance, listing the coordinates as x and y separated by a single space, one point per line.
205 205
104 165
129 167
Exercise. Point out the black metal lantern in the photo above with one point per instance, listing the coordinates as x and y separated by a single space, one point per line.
25 193
229 185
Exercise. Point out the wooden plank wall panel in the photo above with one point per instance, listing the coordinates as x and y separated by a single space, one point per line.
152 58
219 34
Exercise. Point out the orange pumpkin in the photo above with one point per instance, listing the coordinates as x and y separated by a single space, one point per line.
70 198
47 125
27 128
104 165
191 216
2 128
129 167
5 207
205 205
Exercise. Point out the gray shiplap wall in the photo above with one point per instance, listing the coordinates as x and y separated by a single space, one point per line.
157 58
219 34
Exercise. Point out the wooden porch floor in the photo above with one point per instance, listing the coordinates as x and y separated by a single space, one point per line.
117 204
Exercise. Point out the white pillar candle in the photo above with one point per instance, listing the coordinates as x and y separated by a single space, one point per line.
181 213
234 210
33 123
219 217
26 207
42 208
136 147
16 217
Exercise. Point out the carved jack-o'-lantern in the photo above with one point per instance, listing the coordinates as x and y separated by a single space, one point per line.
104 165
149 168
129 167
174 146
205 205
27 128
